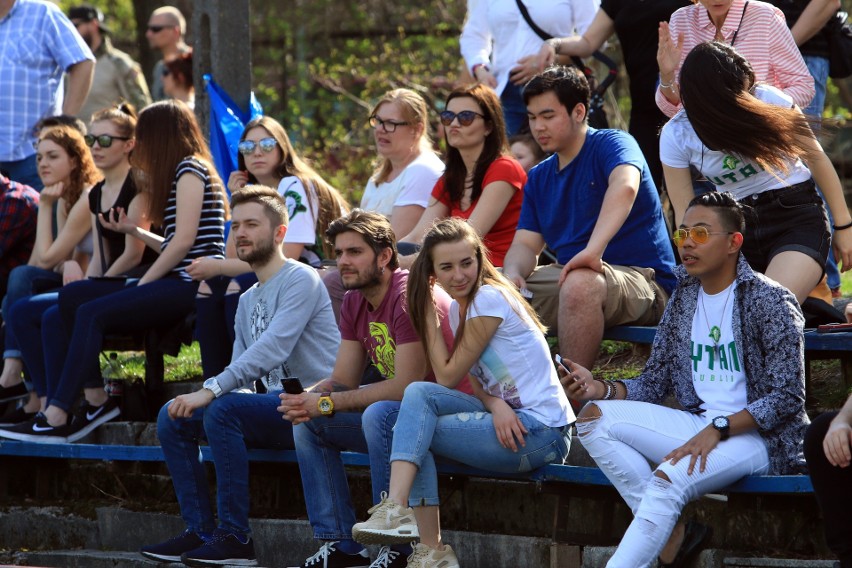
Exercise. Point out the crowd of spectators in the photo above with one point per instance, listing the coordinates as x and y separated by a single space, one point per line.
316 337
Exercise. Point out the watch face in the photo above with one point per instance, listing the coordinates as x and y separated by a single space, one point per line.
720 422
325 405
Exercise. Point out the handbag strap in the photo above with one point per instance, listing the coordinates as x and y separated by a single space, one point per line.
98 190
733 39
546 36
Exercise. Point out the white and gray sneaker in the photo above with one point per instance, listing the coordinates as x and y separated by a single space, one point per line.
389 523
425 557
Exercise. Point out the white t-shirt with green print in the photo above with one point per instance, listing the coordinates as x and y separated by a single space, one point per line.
680 147
303 208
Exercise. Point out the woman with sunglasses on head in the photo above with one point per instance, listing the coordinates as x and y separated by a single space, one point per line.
35 319
483 183
750 139
187 200
523 415
266 157
67 171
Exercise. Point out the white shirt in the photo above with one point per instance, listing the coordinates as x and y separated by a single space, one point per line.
303 210
411 187
717 370
496 34
516 366
680 147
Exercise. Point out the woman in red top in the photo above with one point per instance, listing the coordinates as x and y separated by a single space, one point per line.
482 182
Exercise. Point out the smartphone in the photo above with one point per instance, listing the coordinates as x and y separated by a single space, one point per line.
562 363
834 328
292 385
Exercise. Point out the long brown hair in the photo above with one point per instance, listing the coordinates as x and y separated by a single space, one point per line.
716 89
331 203
419 287
496 144
416 113
166 134
84 173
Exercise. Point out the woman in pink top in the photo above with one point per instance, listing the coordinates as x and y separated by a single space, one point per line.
756 29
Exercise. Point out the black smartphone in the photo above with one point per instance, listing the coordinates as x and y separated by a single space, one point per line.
292 385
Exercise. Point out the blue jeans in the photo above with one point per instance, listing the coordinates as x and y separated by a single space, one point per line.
113 307
318 446
437 421
214 322
231 424
24 281
23 171
514 109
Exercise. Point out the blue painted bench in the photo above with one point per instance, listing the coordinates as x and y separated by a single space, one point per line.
579 475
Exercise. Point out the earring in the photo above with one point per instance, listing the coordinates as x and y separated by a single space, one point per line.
383 270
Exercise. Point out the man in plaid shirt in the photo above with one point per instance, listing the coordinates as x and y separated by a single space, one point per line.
18 210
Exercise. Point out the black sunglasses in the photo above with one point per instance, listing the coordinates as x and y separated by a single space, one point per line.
157 29
388 125
247 147
103 140
466 117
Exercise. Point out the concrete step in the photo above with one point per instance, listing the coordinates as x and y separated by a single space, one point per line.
87 559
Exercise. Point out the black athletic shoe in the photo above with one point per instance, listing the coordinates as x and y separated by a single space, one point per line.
170 550
328 556
15 417
38 430
90 417
222 549
14 392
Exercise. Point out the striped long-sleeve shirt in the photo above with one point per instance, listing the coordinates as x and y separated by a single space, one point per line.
763 39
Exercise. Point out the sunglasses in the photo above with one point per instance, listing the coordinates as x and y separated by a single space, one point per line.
388 125
103 140
156 29
247 147
466 117
698 234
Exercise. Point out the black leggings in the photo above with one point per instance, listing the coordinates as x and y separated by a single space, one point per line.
833 488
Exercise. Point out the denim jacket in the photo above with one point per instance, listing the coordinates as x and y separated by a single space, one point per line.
768 330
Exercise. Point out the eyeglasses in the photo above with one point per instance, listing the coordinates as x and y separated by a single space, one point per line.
156 29
247 147
699 234
466 117
103 140
388 125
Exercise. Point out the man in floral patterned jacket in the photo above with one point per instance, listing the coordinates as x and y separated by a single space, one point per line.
730 349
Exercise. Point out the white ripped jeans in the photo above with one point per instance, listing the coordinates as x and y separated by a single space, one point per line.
628 435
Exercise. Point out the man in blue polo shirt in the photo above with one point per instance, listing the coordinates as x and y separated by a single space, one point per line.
39 44
593 202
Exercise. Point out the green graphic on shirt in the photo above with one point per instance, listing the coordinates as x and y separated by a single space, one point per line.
715 333
294 203
728 359
730 162
384 352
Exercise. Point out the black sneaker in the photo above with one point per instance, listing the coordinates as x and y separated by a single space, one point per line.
38 430
222 549
329 557
15 417
390 558
90 417
14 392
170 550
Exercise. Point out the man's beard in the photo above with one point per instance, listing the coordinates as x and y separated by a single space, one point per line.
260 254
368 280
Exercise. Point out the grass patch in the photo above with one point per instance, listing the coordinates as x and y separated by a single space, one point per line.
185 367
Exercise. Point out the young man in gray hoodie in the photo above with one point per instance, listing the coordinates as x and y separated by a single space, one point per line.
284 327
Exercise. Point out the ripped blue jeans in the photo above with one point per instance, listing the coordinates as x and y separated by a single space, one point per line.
435 421
630 434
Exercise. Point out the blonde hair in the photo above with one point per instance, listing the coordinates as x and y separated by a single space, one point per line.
416 113
174 14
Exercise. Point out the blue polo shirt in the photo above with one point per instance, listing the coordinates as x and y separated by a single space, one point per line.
563 206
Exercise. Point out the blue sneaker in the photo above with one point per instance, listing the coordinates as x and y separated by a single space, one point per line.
222 549
170 550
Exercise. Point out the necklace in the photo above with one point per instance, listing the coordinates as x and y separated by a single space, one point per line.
715 331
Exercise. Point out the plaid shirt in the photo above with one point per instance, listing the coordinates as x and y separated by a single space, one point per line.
18 212
37 44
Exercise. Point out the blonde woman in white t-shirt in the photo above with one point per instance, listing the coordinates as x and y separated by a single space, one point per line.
518 418
751 140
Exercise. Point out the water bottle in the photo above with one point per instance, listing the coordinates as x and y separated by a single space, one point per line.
113 374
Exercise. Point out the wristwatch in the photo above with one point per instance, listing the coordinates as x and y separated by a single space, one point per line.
212 385
325 405
723 425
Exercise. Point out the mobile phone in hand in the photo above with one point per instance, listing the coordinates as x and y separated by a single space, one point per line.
292 385
562 363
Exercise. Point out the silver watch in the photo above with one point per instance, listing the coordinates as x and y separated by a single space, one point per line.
213 386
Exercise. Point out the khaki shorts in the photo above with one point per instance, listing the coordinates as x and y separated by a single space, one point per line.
633 297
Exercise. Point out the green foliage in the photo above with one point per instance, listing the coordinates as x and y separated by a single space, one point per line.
186 366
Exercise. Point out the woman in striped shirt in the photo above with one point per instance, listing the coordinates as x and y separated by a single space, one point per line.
187 200
756 29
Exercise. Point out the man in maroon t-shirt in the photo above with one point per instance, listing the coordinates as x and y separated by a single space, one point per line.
374 326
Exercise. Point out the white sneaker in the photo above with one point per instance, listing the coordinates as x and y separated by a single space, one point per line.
389 523
425 557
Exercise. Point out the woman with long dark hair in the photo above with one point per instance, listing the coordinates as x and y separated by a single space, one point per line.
750 139
187 201
482 182
500 344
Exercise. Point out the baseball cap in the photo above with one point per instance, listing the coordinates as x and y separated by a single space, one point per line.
87 13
